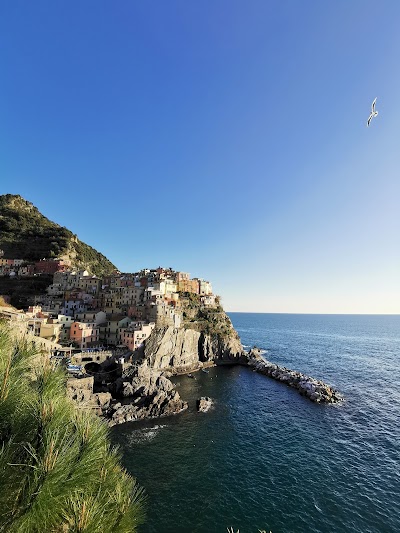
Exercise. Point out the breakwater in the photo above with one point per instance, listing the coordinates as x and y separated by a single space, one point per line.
315 390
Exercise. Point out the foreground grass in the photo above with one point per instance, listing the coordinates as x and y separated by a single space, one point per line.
58 471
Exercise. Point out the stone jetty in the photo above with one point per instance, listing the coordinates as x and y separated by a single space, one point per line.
313 389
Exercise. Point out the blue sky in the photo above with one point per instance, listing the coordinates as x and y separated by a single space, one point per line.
227 139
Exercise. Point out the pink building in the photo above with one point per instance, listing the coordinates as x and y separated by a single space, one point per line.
85 334
134 336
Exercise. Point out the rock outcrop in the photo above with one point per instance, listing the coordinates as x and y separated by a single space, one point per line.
204 404
150 395
145 393
81 391
315 390
184 350
144 390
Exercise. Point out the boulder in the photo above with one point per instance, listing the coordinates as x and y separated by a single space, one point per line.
80 390
103 399
204 404
152 395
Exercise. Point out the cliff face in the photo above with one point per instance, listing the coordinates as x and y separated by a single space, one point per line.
184 350
206 337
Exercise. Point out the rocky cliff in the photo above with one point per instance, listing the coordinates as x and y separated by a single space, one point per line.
140 393
184 349
147 393
206 337
143 390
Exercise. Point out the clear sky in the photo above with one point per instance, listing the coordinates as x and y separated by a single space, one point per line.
223 138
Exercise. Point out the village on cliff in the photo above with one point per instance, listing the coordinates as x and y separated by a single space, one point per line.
87 312
95 323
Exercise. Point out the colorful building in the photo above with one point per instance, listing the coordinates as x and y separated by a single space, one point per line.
85 334
51 266
135 334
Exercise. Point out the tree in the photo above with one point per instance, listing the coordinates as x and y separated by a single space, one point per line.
58 471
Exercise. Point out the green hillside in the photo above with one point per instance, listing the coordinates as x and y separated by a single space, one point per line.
26 234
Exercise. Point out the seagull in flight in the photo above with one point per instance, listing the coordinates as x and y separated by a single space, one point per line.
373 114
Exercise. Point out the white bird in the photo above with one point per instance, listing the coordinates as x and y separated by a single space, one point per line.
373 114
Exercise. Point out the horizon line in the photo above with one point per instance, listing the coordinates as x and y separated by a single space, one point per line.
313 313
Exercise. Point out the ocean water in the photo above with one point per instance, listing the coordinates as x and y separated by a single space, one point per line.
267 458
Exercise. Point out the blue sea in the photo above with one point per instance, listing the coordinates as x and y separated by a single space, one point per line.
267 458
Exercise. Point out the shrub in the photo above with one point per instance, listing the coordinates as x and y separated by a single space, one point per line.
58 471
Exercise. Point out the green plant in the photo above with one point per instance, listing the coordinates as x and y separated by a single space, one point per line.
58 471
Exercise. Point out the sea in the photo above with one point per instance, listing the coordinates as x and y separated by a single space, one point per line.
266 458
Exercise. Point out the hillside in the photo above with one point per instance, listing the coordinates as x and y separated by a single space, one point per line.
22 291
27 234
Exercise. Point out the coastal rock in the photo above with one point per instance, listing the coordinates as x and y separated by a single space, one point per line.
124 389
221 350
204 404
181 350
171 348
151 395
80 389
144 393
254 352
103 399
164 383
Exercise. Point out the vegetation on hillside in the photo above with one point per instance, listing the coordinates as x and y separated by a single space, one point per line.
22 291
208 320
58 471
4 303
26 234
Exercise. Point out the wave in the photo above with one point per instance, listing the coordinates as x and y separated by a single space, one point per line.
145 434
262 351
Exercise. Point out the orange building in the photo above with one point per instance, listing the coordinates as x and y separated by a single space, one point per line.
182 276
188 285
